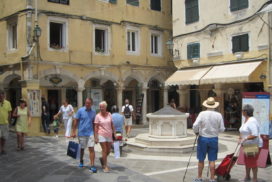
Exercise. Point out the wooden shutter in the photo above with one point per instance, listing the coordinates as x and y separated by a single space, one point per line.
243 4
233 5
155 5
189 51
196 50
235 44
244 42
133 2
192 12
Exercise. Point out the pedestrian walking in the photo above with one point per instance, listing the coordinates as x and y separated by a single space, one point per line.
250 137
103 132
23 122
208 124
66 110
127 111
5 116
45 116
84 121
117 119
56 123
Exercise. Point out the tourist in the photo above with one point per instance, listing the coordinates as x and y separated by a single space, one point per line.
173 104
85 122
208 124
23 121
66 110
250 134
103 131
127 111
45 116
5 116
117 119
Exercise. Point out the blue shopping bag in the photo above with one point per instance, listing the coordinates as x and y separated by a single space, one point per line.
73 150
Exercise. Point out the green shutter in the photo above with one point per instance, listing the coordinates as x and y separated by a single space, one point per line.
243 4
113 1
244 43
189 52
191 10
133 2
235 44
233 5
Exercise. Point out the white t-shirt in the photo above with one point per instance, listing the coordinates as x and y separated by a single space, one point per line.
209 123
130 108
65 111
251 127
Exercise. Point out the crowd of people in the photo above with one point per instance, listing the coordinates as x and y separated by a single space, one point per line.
92 128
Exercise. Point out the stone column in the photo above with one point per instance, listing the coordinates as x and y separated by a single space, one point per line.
165 96
144 109
183 96
218 89
120 97
80 97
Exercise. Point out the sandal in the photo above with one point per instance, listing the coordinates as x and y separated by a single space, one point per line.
106 170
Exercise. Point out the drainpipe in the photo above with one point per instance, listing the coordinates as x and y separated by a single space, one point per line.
269 60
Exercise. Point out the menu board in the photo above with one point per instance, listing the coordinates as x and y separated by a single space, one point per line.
96 95
261 104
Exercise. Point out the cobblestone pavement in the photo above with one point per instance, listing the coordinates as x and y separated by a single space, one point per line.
45 160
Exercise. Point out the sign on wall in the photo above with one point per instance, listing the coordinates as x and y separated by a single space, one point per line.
34 100
261 104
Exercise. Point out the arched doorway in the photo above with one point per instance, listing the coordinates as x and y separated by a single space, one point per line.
14 92
154 96
132 91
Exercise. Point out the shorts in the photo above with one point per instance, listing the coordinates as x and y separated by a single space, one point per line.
102 139
4 131
86 141
207 145
128 121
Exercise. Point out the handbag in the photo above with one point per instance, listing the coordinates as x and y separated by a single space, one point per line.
73 150
251 149
14 119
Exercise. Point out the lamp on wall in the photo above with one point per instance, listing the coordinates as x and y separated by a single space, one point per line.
37 32
170 46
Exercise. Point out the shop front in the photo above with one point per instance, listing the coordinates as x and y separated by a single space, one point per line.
225 82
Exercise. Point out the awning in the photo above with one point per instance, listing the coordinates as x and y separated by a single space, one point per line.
230 73
187 77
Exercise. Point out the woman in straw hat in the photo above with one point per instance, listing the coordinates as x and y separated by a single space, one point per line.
23 122
208 124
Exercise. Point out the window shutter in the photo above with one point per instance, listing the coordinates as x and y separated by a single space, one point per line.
243 4
133 2
189 51
244 43
191 10
113 1
196 50
233 5
235 44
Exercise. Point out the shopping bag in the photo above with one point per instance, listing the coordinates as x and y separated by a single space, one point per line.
116 147
73 150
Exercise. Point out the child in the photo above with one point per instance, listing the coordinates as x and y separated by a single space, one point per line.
56 126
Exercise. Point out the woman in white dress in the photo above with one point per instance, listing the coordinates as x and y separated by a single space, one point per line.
250 134
67 111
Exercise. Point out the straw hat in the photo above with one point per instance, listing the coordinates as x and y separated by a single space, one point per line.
210 103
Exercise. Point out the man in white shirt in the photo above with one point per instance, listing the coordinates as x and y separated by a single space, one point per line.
208 124
127 111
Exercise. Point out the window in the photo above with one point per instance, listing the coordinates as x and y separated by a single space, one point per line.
12 35
155 5
191 9
236 5
59 1
101 39
240 43
110 1
133 2
132 41
155 45
57 35
193 50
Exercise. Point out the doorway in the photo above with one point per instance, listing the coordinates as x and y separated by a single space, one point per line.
53 102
